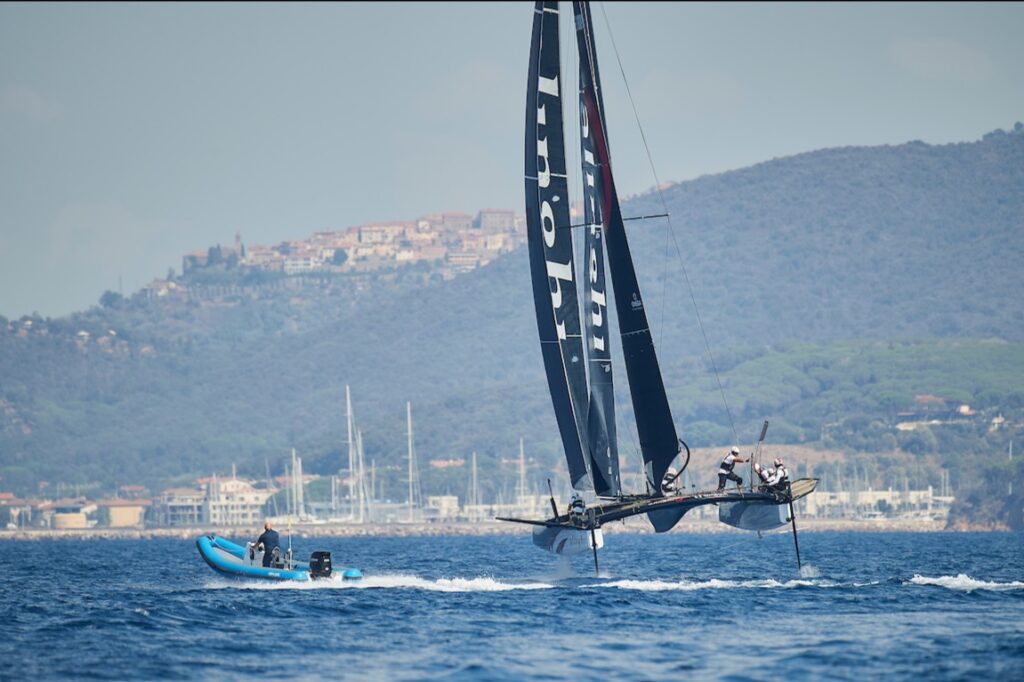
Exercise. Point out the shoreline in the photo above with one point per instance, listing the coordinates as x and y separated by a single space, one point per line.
457 529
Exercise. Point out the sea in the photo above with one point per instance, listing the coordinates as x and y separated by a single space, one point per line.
725 606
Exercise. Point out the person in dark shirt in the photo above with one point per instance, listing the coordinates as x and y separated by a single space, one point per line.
270 542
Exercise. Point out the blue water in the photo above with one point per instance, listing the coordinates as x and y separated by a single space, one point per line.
898 606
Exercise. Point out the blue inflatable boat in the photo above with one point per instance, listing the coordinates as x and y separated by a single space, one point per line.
235 560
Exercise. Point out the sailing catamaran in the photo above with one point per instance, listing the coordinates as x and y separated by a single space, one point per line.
586 418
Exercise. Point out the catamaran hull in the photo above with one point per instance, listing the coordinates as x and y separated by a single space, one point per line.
762 515
758 516
764 512
567 541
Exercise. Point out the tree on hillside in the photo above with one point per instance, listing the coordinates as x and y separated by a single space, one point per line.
111 299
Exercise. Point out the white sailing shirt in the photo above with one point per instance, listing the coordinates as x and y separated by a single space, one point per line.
776 475
727 464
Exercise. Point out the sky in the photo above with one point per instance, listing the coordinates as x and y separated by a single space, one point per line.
132 133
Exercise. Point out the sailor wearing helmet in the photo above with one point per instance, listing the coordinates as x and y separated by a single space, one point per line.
774 480
725 469
670 482
577 508
778 478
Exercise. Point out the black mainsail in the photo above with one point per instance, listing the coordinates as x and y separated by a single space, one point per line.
659 443
604 451
552 266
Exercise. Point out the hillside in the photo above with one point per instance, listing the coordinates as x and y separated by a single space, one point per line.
791 259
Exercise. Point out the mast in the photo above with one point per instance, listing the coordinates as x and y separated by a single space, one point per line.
365 500
288 492
659 442
604 454
521 492
413 474
552 266
295 487
351 468
474 490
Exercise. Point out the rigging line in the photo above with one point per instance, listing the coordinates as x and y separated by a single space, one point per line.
664 206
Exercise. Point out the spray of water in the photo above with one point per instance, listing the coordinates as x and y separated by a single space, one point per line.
809 571
965 583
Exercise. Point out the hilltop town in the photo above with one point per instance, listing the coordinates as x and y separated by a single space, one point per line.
445 244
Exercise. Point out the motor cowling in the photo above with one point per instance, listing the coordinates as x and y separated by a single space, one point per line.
320 565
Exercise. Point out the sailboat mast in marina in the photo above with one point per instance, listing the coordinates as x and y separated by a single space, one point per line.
414 483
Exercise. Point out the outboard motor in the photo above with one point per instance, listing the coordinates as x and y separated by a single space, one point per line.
320 565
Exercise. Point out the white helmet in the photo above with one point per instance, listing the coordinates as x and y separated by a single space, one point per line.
735 450
778 461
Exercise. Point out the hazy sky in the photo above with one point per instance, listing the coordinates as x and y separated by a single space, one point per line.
130 134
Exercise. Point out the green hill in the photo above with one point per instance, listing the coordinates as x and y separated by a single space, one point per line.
801 266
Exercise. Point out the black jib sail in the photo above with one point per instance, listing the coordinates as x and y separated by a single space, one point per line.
552 266
604 450
659 443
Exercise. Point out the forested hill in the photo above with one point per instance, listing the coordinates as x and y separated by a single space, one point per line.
877 242
898 242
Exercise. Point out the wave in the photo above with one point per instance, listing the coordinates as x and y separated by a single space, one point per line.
398 581
487 584
713 584
964 583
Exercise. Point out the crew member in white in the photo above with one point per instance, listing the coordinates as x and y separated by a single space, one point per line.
775 479
576 508
725 469
778 478
670 482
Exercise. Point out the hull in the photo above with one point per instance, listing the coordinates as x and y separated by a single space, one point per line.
231 559
763 515
566 541
754 515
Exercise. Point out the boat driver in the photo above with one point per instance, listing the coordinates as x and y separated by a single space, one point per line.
270 542
725 469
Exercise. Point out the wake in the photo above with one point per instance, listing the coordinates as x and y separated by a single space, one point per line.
397 581
714 584
401 581
488 584
964 583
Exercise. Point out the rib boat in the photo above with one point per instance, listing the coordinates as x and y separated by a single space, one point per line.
239 561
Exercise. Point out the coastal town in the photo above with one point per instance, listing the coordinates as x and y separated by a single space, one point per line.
447 244
349 501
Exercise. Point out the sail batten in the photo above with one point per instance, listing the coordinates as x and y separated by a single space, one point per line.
655 427
552 266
